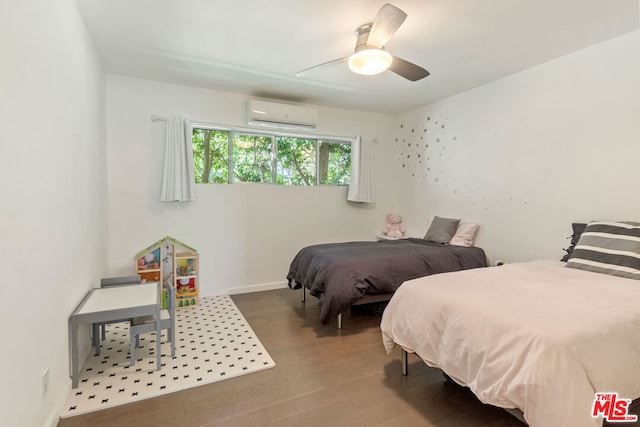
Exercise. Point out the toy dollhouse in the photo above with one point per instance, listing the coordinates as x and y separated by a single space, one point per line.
171 261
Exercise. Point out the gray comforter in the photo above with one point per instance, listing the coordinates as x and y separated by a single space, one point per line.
339 274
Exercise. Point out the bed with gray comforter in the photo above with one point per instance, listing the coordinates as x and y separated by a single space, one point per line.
340 274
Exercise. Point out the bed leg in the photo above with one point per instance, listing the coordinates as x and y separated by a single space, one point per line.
303 293
404 358
340 321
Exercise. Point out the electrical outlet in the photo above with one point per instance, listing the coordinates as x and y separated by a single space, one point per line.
45 382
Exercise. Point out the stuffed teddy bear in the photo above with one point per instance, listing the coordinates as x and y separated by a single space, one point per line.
394 227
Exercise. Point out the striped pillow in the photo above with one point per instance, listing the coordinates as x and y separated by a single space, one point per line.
610 248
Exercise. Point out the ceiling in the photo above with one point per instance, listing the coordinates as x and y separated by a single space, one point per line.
255 47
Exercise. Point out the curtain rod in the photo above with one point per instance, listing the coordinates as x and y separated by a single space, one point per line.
156 118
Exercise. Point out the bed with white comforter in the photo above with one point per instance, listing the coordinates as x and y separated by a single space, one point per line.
535 336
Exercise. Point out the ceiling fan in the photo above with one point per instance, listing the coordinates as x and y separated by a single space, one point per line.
370 57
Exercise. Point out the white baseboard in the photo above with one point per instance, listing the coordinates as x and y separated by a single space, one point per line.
246 289
54 415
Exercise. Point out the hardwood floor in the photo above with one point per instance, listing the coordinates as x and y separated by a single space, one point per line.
323 376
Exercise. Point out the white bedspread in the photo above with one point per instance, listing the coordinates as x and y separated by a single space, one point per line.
535 336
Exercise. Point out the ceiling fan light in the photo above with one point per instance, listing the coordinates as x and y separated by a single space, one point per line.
370 61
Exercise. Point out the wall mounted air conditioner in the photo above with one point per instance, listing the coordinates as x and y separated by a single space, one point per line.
281 116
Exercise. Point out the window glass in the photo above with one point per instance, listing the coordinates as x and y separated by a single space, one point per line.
252 158
334 163
227 156
211 156
296 160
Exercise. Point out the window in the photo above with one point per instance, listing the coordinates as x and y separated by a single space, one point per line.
251 158
334 163
211 156
296 160
229 156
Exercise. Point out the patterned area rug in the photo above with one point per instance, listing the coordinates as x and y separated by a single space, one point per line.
213 342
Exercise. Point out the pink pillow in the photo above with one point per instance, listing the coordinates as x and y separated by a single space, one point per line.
465 234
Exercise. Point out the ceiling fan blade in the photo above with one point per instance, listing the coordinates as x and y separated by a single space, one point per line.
407 69
387 22
304 72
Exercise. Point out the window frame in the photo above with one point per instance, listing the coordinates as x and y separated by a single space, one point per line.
232 130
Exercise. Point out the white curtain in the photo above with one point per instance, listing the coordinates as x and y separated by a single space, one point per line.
361 184
178 181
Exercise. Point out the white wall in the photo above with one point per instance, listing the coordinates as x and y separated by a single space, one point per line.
246 234
52 197
529 154
524 156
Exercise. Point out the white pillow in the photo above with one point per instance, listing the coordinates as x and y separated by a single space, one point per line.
465 234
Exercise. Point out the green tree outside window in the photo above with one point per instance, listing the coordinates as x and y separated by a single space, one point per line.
222 156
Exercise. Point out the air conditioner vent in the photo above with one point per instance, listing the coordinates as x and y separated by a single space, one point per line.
282 116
